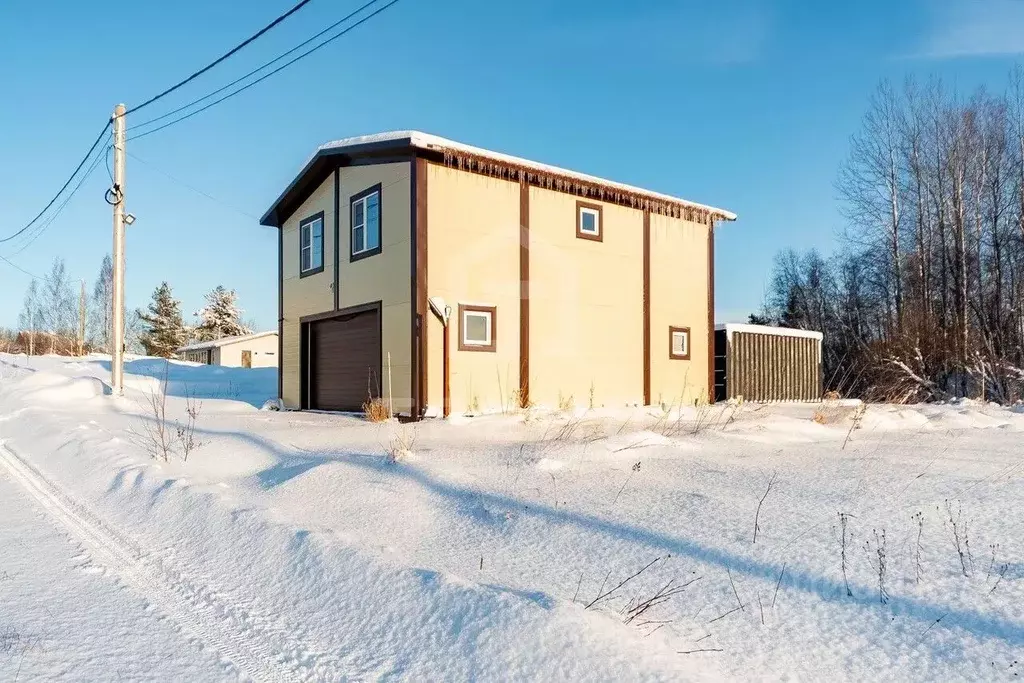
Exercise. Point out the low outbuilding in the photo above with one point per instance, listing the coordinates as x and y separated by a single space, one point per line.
259 350
762 363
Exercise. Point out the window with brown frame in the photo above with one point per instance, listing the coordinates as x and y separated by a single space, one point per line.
311 245
679 343
478 328
589 220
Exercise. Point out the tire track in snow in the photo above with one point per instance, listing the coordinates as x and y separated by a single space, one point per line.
249 644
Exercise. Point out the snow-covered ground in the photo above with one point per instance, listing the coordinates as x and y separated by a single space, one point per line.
290 547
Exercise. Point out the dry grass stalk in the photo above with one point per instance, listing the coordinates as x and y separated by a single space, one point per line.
401 445
757 515
376 410
604 595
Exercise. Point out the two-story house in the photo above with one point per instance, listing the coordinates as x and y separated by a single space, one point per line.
464 280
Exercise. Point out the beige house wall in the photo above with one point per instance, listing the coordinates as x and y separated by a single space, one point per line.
383 277
308 295
264 352
586 297
386 276
473 258
679 298
586 313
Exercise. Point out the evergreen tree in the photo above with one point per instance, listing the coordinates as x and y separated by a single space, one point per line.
101 315
164 329
221 316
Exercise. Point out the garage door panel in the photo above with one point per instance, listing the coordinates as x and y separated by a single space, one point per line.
345 361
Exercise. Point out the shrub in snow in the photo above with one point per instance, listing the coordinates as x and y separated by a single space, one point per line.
376 410
155 434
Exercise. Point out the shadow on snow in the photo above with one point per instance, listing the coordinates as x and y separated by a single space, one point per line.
293 463
254 386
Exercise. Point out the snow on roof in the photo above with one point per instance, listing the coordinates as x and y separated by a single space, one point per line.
731 328
426 141
223 341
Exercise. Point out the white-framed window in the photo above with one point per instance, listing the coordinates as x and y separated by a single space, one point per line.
477 328
366 223
311 245
679 343
588 221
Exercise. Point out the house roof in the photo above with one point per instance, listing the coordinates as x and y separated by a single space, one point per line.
224 341
383 145
731 328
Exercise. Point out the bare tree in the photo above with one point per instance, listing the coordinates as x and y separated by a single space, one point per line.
923 301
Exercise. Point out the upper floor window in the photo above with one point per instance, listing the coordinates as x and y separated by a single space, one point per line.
366 215
311 245
588 221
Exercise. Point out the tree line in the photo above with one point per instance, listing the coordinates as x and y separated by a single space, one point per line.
50 318
923 299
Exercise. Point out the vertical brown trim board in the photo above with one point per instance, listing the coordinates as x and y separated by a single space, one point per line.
524 294
647 307
446 371
711 310
414 322
421 276
280 313
418 283
337 234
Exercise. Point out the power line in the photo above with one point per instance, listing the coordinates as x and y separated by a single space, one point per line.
63 187
60 208
151 100
269 74
223 57
254 71
190 187
14 265
106 155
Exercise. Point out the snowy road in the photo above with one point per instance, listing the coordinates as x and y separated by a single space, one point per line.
65 616
169 626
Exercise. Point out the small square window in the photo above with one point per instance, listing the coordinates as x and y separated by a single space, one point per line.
311 245
679 343
588 221
477 328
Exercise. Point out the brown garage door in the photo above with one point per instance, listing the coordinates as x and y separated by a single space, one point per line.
344 357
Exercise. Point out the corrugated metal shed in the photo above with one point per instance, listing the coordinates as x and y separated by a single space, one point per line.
761 363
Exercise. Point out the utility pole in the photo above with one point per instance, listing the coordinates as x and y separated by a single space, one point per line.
81 321
31 332
116 199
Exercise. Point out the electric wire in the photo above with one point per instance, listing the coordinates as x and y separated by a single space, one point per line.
192 188
60 208
254 71
148 102
63 187
269 74
220 59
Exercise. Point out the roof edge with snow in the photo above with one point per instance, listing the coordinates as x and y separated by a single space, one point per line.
224 341
731 328
479 160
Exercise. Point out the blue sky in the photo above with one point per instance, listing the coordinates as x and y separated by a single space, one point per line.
741 104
